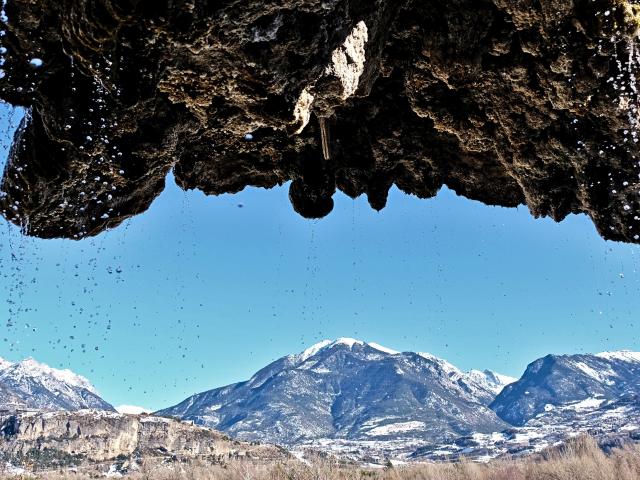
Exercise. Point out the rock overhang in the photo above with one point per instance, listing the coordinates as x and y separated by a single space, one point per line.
508 102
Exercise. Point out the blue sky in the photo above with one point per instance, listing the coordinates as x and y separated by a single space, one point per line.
198 292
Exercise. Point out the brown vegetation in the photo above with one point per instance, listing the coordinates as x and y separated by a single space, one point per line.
580 459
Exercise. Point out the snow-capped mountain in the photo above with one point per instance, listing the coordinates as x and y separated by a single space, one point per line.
35 386
349 389
557 380
369 403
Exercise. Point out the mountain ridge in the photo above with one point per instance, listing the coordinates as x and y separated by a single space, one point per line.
559 379
363 400
351 389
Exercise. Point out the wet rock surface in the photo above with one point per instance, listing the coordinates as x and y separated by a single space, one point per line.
507 102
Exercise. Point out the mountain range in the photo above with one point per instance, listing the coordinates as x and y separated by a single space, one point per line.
360 399
353 390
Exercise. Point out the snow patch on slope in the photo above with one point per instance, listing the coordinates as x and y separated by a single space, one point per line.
380 348
395 428
5 363
622 355
587 404
448 368
600 376
312 350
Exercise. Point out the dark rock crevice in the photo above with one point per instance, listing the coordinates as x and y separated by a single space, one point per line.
505 101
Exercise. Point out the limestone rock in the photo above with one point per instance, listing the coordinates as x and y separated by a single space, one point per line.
98 436
505 101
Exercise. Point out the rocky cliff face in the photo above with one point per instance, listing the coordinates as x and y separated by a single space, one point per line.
505 101
101 436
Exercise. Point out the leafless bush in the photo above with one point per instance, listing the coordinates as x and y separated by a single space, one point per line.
579 459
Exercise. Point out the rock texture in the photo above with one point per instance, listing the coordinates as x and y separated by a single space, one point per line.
101 436
505 101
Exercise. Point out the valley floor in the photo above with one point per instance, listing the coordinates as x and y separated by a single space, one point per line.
580 459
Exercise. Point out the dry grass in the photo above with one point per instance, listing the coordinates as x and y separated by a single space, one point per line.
581 459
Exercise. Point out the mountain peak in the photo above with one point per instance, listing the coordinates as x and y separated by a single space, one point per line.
30 384
348 389
342 341
447 367
33 368
4 363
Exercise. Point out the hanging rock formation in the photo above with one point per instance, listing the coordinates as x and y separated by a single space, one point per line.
507 102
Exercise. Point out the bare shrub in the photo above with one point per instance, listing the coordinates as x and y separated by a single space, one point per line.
578 459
